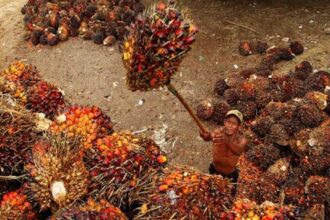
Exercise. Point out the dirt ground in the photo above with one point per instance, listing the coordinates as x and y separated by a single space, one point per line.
94 75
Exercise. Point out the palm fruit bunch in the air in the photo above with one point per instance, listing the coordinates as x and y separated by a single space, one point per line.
120 164
156 46
57 176
90 123
15 205
185 193
247 209
103 21
101 210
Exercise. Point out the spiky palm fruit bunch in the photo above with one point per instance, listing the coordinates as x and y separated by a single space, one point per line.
310 115
278 135
186 193
57 174
90 123
46 98
253 184
121 164
248 109
263 155
205 109
317 189
245 48
279 171
246 73
18 132
318 98
51 22
101 210
291 87
262 125
220 87
261 47
262 98
219 112
247 209
15 205
17 78
318 81
246 91
156 46
303 70
231 96
294 190
296 47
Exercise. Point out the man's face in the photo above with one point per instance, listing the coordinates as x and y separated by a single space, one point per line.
231 125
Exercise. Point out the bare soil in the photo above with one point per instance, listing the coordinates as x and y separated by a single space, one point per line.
94 75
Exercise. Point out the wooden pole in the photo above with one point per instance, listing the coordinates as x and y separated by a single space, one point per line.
173 90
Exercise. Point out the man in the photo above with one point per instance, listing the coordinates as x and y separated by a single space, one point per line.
228 145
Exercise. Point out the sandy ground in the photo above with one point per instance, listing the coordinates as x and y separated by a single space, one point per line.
94 75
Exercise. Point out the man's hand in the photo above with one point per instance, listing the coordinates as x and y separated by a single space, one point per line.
206 135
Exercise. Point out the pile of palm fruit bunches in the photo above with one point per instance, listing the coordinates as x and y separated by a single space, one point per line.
288 126
103 21
69 163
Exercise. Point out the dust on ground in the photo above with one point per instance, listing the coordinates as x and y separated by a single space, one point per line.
94 75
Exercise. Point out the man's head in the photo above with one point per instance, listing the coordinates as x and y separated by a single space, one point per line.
233 121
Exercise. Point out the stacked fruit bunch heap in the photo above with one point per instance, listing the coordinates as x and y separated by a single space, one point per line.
57 174
90 123
156 46
247 209
103 21
252 89
120 166
102 210
23 82
14 205
185 193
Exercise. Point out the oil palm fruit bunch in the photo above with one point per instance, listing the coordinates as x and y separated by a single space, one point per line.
155 47
15 205
88 122
46 98
263 155
219 112
185 193
303 70
317 189
18 132
318 81
57 174
205 109
220 86
17 78
102 210
247 209
119 165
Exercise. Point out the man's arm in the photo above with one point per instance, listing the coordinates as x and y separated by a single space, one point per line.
238 148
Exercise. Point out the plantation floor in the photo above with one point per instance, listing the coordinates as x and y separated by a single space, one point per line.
94 75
